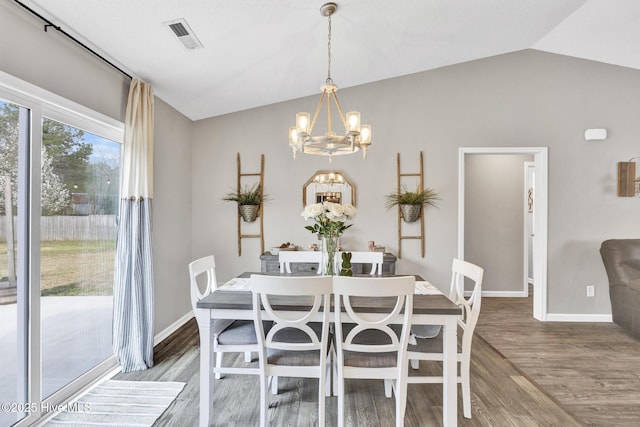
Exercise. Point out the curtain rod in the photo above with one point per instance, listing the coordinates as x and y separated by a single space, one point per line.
48 24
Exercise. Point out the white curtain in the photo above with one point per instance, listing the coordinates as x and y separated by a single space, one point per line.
133 281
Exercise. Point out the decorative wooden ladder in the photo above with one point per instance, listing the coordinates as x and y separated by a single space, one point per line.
402 237
240 221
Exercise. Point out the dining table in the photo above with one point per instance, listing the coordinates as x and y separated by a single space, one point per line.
233 300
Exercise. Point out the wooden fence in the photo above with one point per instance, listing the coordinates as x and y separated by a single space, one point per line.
90 227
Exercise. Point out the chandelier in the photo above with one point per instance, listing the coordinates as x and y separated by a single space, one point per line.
356 137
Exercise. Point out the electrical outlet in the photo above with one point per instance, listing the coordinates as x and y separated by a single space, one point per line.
591 290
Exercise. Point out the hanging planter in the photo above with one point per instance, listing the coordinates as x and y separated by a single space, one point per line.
410 213
249 213
249 200
411 202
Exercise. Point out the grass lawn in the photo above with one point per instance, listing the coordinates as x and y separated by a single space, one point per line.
73 267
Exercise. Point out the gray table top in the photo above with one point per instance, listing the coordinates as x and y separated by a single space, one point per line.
242 300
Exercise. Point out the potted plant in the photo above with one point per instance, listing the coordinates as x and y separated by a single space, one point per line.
249 200
411 202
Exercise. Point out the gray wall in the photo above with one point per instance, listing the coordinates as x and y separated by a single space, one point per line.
494 219
56 64
527 98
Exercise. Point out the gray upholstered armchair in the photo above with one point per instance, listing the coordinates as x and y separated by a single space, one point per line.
621 259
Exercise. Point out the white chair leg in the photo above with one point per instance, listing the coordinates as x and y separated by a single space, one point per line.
387 387
322 390
400 407
264 401
341 402
218 364
327 377
274 385
415 364
466 386
334 381
247 356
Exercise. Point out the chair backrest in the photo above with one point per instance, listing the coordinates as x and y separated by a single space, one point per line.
196 268
373 258
285 258
620 257
467 322
401 287
318 288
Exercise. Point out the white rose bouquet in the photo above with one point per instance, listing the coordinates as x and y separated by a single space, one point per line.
329 217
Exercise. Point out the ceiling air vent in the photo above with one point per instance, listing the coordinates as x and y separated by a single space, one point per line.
184 33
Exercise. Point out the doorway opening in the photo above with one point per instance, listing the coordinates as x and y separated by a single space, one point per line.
538 220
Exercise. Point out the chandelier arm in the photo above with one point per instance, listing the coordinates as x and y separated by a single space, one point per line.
339 107
315 115
329 126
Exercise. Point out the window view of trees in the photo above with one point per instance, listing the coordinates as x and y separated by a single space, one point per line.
77 179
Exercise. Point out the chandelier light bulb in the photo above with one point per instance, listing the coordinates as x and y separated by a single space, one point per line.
365 135
302 123
293 136
353 122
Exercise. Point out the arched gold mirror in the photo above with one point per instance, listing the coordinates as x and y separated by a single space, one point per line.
329 186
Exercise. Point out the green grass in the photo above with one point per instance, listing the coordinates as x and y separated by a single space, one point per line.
72 267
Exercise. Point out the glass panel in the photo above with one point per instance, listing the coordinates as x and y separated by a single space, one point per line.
80 173
13 379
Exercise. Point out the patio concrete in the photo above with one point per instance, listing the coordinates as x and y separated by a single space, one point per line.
76 336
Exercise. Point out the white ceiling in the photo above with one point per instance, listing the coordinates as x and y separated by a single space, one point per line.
258 52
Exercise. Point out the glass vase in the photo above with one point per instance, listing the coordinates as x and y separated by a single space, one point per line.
329 249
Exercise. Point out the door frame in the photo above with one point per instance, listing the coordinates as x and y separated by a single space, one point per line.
529 168
541 156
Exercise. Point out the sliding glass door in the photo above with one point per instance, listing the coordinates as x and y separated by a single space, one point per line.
14 135
79 202
59 184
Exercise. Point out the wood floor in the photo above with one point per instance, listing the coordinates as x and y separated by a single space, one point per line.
501 395
524 373
591 369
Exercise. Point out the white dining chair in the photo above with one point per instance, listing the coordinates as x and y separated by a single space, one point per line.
366 346
286 258
373 258
430 349
230 336
297 344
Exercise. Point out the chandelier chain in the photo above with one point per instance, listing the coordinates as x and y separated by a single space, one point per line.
329 80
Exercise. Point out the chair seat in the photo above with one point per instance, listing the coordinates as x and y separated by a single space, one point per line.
296 358
219 325
240 332
425 331
370 360
429 345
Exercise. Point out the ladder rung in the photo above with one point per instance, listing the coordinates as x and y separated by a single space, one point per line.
250 174
410 174
410 237
249 235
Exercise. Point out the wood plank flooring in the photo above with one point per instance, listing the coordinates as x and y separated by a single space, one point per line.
591 369
501 394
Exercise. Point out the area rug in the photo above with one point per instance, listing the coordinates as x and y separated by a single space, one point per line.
120 403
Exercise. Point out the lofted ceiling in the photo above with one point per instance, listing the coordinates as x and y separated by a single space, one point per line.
259 52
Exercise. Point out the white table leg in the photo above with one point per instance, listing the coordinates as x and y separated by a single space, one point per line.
450 368
206 367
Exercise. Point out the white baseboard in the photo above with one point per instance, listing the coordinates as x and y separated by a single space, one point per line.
501 294
172 328
565 317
